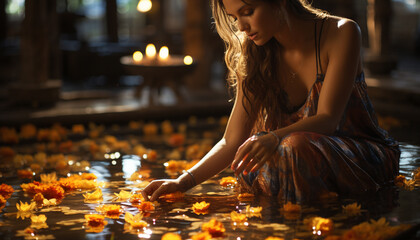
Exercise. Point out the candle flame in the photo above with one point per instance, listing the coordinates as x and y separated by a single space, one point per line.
137 56
150 50
188 60
144 5
164 52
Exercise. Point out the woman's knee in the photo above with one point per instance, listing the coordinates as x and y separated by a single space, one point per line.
296 140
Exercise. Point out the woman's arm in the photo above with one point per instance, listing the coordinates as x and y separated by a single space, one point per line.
344 43
220 156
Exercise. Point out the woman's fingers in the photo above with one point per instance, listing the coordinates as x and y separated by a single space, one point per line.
158 188
150 189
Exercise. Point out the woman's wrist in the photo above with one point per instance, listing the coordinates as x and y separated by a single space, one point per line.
277 138
187 181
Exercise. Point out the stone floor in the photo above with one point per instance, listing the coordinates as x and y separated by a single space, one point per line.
396 98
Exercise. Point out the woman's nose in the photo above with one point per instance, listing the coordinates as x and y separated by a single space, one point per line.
242 25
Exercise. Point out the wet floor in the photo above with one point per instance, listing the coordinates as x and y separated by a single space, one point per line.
117 161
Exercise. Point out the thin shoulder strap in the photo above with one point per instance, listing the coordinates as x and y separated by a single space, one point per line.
318 49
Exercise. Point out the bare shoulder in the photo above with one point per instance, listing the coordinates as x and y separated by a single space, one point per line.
342 33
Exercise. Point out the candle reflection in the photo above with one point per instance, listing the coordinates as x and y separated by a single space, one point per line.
150 51
164 53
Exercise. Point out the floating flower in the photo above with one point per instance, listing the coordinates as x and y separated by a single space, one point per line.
53 191
6 190
176 140
320 225
214 227
78 129
27 131
49 202
201 207
175 166
352 209
150 129
88 176
274 238
171 236
95 196
146 207
228 182
110 210
25 207
290 207
123 195
136 198
238 217
246 197
172 197
38 198
202 236
399 180
40 219
135 221
416 174
25 174
49 177
95 223
253 211
2 200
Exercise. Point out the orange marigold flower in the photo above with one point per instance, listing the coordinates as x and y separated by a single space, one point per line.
201 207
274 238
95 220
228 181
321 225
67 183
238 217
246 197
2 200
65 147
38 198
175 166
27 131
6 153
152 155
89 176
399 180
214 227
202 236
6 190
176 139
146 206
136 198
352 209
171 236
25 174
111 210
78 129
53 191
416 174
290 207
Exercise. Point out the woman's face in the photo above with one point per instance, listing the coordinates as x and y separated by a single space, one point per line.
258 19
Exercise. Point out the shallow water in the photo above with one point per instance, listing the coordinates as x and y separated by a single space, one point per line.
66 220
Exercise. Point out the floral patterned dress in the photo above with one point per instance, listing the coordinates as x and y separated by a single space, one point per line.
358 157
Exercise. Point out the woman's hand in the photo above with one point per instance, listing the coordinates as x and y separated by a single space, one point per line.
254 152
157 188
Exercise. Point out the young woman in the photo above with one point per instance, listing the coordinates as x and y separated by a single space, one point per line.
302 126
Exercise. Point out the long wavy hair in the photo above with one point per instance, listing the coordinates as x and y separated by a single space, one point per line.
255 67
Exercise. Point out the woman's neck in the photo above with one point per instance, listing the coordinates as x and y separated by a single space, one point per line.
295 33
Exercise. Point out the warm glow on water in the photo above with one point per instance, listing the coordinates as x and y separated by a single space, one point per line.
120 172
188 60
144 5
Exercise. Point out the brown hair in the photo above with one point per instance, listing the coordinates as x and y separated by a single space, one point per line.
256 66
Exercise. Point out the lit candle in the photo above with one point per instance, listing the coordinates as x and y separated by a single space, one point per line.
188 60
150 51
164 53
144 5
137 56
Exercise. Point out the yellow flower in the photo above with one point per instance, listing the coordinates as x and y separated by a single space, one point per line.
202 236
321 225
136 220
25 207
238 217
290 207
200 207
146 206
111 210
352 209
274 238
95 196
123 195
214 227
253 211
171 236
40 219
228 181
49 202
48 178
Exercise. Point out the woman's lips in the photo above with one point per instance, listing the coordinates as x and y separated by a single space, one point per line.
252 36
